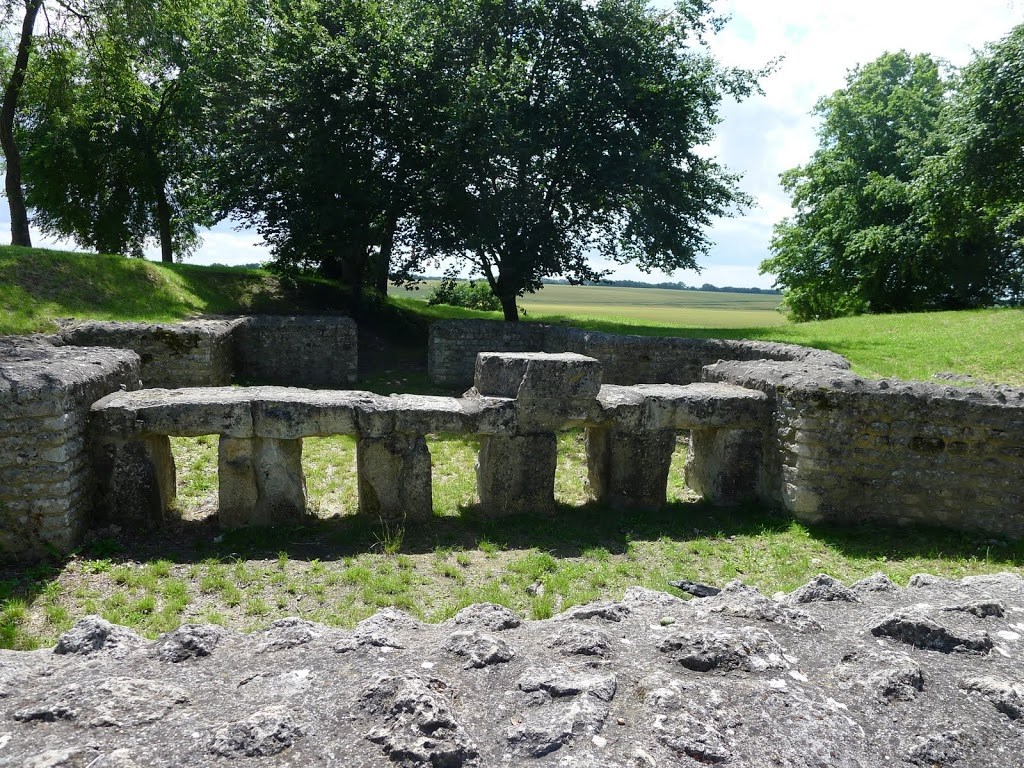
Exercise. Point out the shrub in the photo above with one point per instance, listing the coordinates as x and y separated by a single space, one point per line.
469 295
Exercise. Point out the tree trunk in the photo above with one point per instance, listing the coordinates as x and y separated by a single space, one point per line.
509 309
163 221
382 264
12 93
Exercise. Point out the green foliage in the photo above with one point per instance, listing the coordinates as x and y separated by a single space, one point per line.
570 128
890 212
112 128
470 295
316 141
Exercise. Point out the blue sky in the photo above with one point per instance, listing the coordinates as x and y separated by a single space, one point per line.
819 40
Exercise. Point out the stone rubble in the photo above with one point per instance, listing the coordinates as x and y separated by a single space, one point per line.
893 676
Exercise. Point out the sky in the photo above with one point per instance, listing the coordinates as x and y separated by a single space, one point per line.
818 42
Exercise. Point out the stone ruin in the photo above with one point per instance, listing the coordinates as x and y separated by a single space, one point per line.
84 429
827 676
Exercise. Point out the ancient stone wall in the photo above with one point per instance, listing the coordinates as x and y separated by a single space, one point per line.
846 449
194 353
46 480
454 345
311 351
520 400
305 350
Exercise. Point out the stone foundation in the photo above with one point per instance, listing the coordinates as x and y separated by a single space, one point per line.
304 350
626 360
845 449
46 477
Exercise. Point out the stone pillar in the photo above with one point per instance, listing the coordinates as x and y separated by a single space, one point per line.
261 481
629 469
516 468
516 474
394 476
723 465
136 479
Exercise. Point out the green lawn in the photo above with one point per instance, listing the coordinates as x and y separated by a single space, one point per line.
339 568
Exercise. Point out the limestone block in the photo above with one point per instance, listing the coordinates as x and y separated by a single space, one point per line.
188 412
288 413
136 480
723 465
629 469
691 406
394 477
261 481
516 474
537 375
416 415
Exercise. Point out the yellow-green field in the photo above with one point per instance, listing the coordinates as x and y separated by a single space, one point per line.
657 306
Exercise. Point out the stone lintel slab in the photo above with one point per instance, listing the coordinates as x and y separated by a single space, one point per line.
516 474
289 413
630 469
187 412
394 477
537 375
690 406
261 482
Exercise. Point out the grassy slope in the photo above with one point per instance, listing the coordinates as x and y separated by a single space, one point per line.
38 286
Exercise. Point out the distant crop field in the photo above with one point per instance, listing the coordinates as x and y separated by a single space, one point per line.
695 309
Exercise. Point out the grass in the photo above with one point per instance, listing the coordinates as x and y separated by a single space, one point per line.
339 568
38 286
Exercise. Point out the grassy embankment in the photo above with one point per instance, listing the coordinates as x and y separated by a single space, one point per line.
338 569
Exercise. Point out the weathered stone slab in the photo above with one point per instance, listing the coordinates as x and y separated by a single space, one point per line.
537 375
629 469
690 406
193 353
188 412
417 415
261 482
394 477
516 474
289 413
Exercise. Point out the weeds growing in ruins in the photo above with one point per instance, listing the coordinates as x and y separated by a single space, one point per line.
339 569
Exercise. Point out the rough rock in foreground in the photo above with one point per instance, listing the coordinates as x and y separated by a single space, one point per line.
866 675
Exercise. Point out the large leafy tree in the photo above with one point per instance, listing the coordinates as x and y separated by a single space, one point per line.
320 143
974 192
113 131
571 128
855 243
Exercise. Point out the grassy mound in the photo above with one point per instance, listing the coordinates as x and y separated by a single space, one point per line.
37 286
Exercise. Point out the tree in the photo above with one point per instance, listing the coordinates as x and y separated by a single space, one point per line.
319 149
975 191
570 128
8 112
112 132
855 244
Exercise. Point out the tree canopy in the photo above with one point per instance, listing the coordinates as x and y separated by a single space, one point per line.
112 128
572 129
886 219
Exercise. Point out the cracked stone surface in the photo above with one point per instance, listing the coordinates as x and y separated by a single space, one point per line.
855 677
